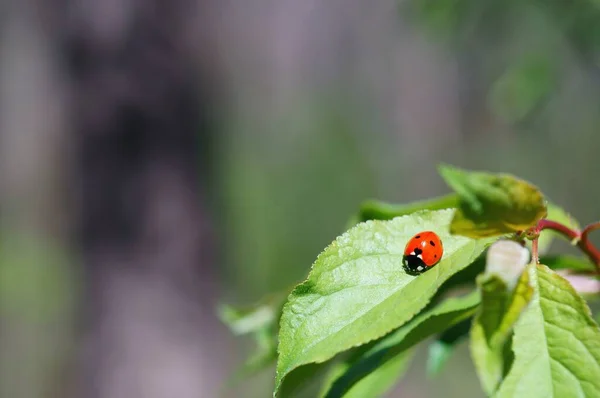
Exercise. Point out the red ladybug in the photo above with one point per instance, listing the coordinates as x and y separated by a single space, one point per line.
422 252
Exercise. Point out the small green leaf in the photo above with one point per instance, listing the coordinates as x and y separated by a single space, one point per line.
377 210
555 213
260 321
505 293
556 343
375 355
250 319
265 354
377 382
442 348
306 380
358 291
437 356
500 309
492 204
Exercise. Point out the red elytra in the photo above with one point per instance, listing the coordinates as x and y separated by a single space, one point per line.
422 252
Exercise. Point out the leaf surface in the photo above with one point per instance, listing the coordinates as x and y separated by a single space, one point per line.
556 343
492 204
358 291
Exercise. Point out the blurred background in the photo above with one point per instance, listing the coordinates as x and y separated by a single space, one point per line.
160 157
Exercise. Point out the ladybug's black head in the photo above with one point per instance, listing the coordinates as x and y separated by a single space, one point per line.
413 265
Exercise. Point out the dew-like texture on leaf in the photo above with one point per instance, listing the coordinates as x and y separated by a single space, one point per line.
556 343
492 204
358 291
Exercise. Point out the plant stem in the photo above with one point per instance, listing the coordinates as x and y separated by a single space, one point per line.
580 238
534 251
591 227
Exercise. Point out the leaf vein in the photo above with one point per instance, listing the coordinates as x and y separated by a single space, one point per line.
582 393
578 340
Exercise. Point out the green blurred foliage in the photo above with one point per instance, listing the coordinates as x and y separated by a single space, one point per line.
288 189
292 179
522 89
38 297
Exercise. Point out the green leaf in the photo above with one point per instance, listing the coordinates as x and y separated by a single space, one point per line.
377 354
465 278
249 319
556 343
492 204
569 262
579 272
260 321
358 291
587 286
443 347
522 88
555 213
265 354
306 380
500 309
377 382
377 210
438 354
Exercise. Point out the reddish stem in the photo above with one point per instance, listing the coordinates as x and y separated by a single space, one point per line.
591 227
534 251
580 238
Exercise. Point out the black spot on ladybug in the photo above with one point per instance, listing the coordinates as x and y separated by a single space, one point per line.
431 243
417 237
418 251
435 255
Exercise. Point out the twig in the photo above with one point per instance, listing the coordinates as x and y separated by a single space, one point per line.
581 239
534 251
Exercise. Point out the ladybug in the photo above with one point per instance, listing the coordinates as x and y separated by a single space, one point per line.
422 252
